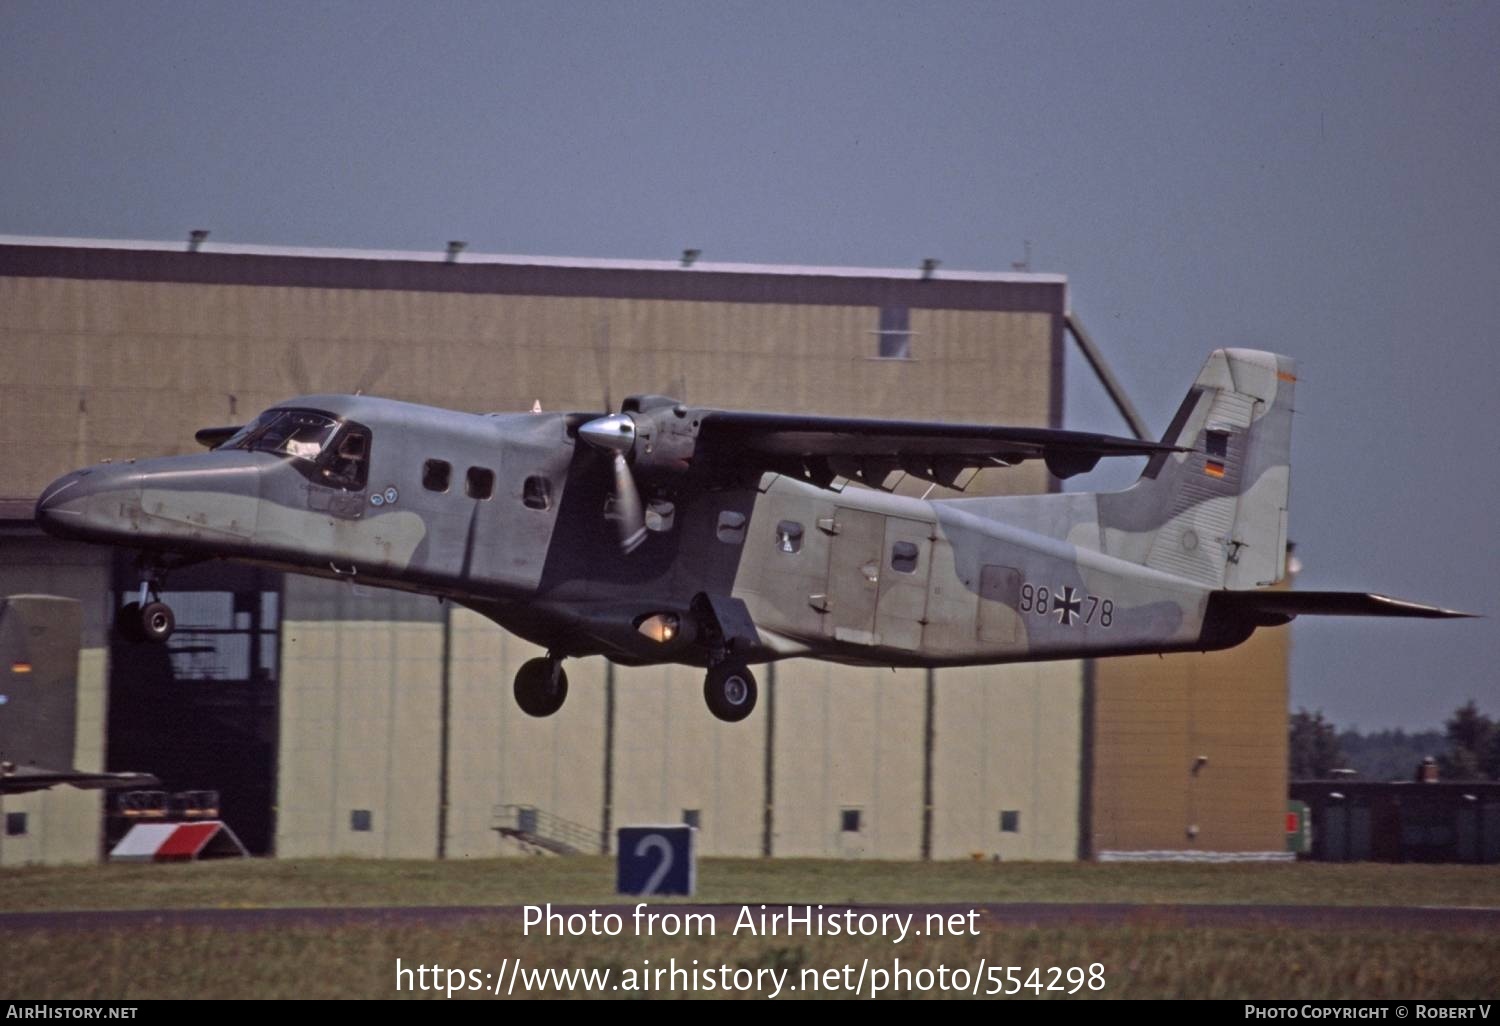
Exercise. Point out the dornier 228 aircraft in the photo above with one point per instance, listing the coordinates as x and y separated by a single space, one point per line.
667 533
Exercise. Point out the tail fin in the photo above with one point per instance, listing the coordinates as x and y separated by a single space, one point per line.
39 639
1217 514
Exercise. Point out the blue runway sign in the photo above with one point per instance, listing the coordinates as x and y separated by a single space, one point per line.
656 860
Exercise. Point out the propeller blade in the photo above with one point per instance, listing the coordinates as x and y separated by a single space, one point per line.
632 518
380 362
602 359
615 434
296 368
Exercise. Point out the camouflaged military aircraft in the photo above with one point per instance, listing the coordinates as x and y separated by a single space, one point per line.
668 533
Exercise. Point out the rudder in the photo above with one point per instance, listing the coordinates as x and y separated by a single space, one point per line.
1216 515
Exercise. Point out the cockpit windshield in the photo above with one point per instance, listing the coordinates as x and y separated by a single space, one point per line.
299 433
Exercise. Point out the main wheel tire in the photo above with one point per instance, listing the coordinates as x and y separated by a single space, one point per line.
157 622
128 622
729 689
541 687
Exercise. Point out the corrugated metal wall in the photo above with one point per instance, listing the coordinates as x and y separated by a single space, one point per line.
116 369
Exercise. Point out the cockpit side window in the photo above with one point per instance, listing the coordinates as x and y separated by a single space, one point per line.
348 462
436 474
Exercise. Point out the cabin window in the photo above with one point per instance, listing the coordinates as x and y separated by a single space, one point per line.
731 527
361 820
350 463
1010 821
849 821
15 824
789 536
904 557
479 483
1217 444
536 493
435 475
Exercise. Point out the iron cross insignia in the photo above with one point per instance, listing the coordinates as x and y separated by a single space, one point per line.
1068 607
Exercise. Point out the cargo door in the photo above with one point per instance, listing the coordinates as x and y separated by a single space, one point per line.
854 570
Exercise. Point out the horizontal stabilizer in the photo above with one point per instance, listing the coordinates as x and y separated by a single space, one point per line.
1277 607
20 779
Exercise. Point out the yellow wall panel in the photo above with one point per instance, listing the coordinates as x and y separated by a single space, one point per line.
1153 720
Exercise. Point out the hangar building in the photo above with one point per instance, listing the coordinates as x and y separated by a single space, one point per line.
336 720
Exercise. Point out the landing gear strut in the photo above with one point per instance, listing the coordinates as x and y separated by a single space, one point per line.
148 618
729 689
541 686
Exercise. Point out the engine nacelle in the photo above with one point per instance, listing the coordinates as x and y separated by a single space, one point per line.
666 433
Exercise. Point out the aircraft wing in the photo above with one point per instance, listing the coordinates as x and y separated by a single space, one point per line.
821 448
1277 607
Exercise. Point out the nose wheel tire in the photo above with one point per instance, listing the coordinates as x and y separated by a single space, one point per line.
729 689
541 686
152 622
157 621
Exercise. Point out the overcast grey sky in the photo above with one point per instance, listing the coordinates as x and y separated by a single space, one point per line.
1319 179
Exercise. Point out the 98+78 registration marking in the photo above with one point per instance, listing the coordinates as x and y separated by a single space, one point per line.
1067 604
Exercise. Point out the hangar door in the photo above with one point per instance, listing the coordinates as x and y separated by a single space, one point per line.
201 711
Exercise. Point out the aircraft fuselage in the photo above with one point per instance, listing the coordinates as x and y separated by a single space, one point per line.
667 533
506 515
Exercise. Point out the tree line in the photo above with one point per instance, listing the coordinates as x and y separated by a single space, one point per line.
1467 748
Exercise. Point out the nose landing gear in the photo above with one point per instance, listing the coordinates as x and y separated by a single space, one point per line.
148 618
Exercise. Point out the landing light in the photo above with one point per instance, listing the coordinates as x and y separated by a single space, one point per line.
661 628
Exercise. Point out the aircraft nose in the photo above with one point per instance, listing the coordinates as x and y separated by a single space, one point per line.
52 509
67 507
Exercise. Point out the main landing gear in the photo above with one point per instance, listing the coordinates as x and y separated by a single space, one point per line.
729 689
541 686
148 618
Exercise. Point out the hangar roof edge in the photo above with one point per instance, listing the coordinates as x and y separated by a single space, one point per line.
468 257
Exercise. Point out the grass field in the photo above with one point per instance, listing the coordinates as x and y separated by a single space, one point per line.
1148 959
360 961
266 883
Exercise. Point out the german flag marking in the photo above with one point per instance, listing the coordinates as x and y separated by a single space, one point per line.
1284 376
1213 469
